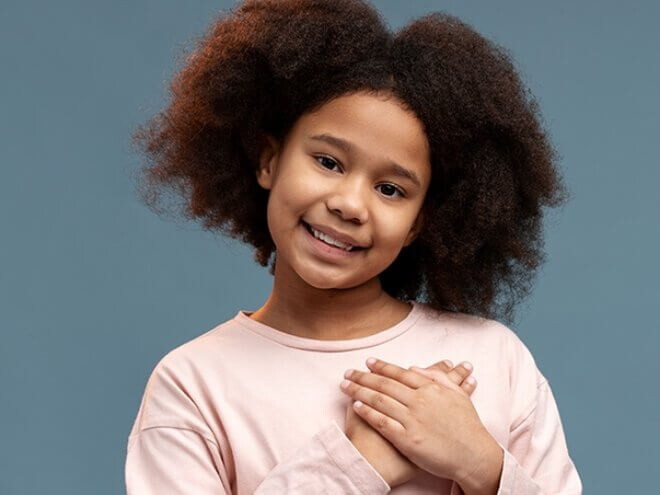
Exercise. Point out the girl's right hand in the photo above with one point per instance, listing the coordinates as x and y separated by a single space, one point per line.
393 466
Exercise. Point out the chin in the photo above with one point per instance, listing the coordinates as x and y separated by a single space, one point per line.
320 281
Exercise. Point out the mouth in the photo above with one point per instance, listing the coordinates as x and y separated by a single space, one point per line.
309 229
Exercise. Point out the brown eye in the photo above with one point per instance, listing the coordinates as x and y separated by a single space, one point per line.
329 163
328 160
391 189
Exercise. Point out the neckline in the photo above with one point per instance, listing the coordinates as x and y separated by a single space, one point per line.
298 342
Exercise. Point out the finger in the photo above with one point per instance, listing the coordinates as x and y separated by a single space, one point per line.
392 430
468 385
437 370
429 373
382 384
444 365
437 376
460 372
407 377
378 400
434 374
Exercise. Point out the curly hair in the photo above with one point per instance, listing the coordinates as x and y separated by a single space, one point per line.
264 63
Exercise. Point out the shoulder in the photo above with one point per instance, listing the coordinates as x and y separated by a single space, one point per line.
180 380
486 335
199 352
522 379
521 362
519 368
497 339
495 347
492 336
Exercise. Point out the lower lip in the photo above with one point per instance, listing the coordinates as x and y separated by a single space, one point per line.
327 250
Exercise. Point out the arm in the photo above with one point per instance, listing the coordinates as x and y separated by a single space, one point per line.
537 460
172 449
177 460
329 463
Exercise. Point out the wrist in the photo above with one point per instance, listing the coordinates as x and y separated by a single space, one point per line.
373 459
484 479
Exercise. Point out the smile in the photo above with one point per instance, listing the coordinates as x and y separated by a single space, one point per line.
328 246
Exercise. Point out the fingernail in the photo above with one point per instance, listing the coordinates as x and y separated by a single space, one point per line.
371 361
448 363
470 379
466 365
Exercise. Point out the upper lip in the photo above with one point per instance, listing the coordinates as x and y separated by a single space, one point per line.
336 234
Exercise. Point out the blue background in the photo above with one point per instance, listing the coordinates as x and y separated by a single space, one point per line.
95 288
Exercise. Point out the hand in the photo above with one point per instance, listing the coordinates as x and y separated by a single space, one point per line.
394 467
432 422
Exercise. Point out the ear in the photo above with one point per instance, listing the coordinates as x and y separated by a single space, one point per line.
415 229
267 161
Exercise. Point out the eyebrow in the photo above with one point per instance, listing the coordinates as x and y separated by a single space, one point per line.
348 147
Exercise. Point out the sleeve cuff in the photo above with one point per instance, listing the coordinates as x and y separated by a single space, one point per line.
514 479
508 476
349 460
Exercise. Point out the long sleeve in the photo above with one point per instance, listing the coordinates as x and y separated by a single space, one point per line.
173 449
176 460
537 460
330 463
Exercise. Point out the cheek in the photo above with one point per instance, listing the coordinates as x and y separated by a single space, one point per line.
298 188
289 200
392 230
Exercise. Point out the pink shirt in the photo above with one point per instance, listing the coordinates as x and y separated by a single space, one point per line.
245 408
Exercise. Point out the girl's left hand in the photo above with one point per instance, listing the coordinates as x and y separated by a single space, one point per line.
433 424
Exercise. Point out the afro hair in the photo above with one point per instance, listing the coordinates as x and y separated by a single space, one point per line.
264 63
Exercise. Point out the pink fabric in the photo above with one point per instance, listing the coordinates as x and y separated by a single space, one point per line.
245 408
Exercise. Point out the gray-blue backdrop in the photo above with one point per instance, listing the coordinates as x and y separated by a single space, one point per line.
95 288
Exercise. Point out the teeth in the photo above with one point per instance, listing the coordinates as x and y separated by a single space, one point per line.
330 240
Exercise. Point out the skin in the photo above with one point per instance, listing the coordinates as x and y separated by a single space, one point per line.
402 405
355 192
393 466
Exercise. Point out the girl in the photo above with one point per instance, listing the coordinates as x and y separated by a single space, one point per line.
394 183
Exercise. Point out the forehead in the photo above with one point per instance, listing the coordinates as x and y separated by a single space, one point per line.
378 127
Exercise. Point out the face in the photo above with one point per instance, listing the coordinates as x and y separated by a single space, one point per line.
357 167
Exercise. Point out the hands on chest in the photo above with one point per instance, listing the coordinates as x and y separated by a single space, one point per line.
406 420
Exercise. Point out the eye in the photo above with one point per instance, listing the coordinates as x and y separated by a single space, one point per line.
328 160
392 188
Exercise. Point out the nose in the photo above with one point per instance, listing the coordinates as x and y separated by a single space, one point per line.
348 201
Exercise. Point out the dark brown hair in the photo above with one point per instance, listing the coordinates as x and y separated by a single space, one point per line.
264 63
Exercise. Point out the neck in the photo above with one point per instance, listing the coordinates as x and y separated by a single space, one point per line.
329 314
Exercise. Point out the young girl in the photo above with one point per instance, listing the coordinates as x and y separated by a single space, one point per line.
394 183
